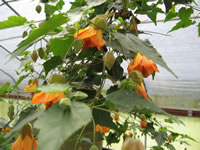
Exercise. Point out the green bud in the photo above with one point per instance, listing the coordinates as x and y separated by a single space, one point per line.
71 29
11 111
80 95
41 53
142 117
128 84
25 33
57 78
34 55
94 147
136 76
100 21
109 60
78 45
38 9
65 103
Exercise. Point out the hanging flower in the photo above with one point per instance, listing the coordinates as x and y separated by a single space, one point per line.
141 90
142 64
32 85
25 140
7 129
102 129
91 37
47 98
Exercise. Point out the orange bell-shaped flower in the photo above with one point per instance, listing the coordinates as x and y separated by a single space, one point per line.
91 37
141 90
47 98
25 140
142 64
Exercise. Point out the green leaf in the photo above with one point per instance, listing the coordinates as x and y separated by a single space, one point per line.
12 22
4 87
103 118
49 10
168 5
77 3
199 29
116 71
160 137
60 124
52 63
54 22
153 14
60 5
60 47
19 81
128 101
130 42
53 88
170 146
76 13
170 15
185 21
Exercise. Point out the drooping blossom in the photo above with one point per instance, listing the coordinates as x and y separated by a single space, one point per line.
91 36
143 64
32 85
25 140
47 98
141 90
102 129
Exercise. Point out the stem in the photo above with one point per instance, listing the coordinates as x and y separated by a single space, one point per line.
94 131
79 137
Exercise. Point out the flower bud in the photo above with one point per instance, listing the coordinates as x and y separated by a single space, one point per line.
132 144
35 81
38 9
136 76
142 117
11 111
32 69
94 147
65 103
78 45
41 53
34 55
128 84
57 78
100 21
25 33
170 138
80 95
109 60
125 4
26 130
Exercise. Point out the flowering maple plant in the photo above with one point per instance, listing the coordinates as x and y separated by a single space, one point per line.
78 59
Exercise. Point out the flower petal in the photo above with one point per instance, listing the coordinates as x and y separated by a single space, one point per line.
141 91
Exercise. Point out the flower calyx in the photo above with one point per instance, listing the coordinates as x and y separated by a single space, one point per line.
99 21
57 78
109 60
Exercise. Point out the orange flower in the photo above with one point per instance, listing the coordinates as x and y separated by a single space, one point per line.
25 140
5 130
102 129
141 90
47 98
116 116
31 86
28 143
91 37
143 124
143 64
133 27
